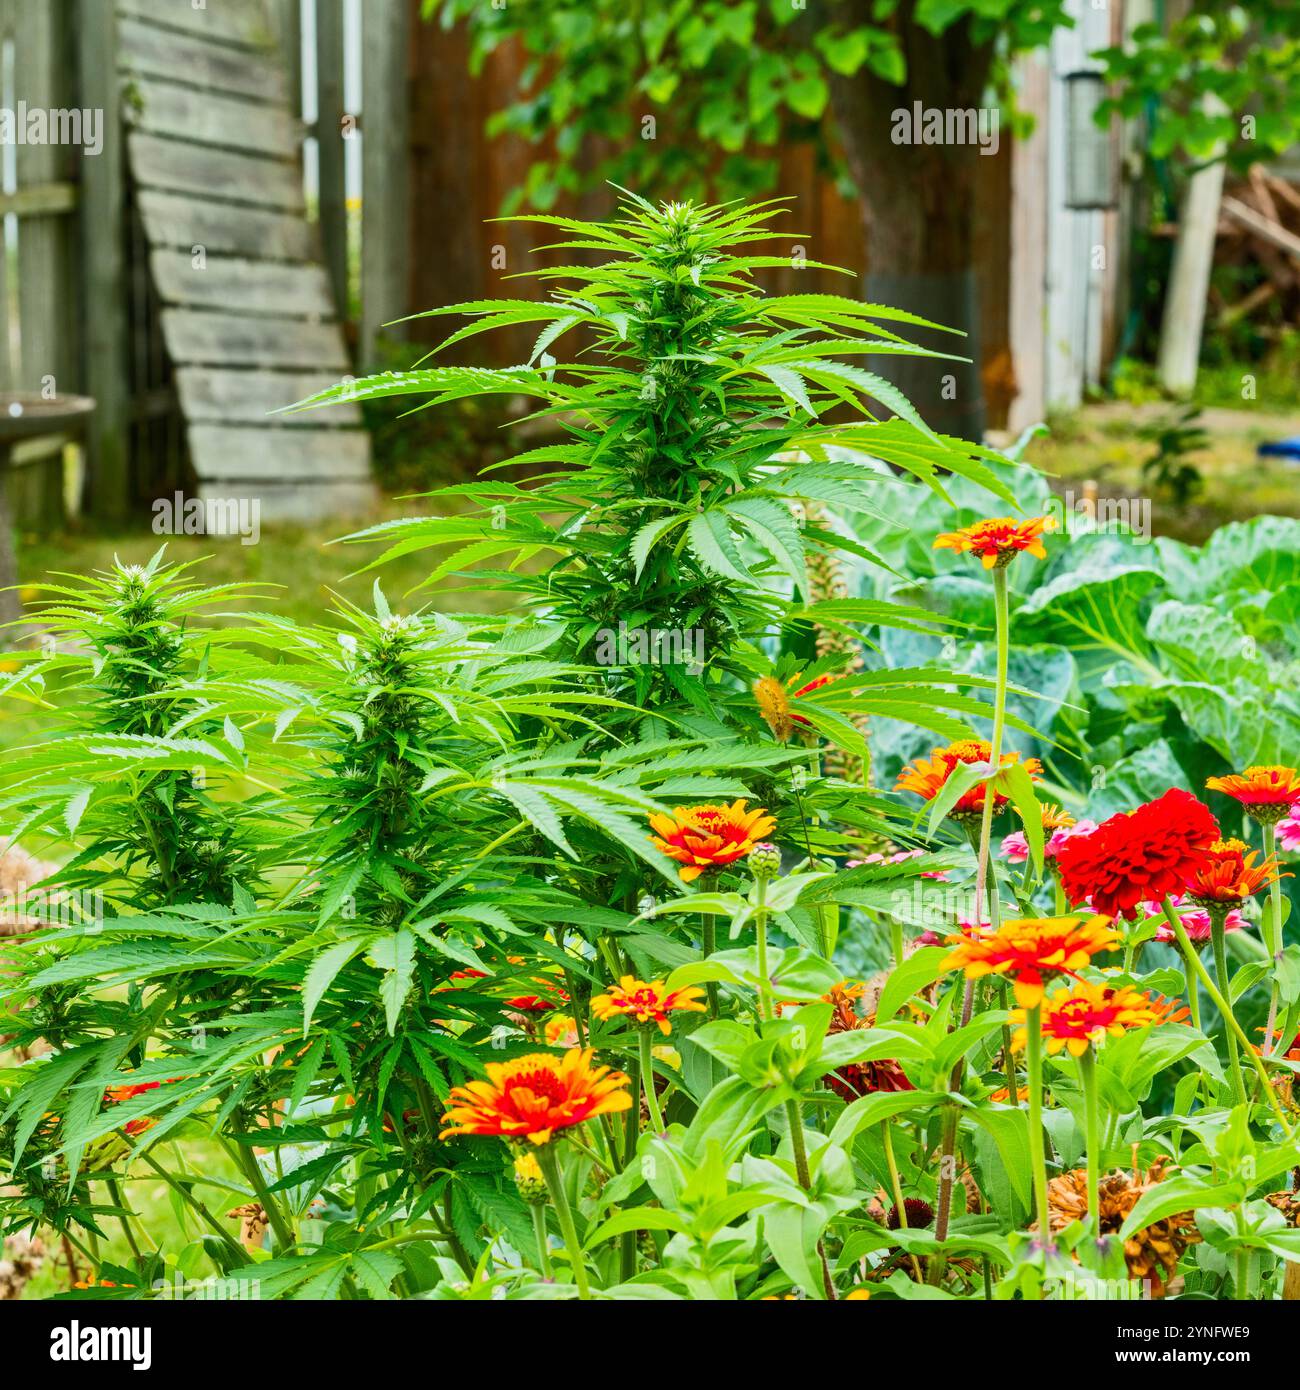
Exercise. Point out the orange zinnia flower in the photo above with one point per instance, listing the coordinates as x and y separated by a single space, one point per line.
1026 949
1227 873
709 837
533 1096
927 777
1085 1013
1267 793
998 540
646 1002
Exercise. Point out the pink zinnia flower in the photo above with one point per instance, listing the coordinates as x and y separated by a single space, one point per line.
1196 920
901 857
1288 830
1015 848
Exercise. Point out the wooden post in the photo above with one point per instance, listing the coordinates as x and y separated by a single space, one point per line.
384 206
330 115
1189 276
103 266
1027 310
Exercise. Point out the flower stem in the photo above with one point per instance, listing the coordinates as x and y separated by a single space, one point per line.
550 1167
1225 1009
648 1081
765 1004
950 1126
995 743
708 944
1217 934
795 1120
1092 1127
1275 934
1037 1154
896 1187
543 1242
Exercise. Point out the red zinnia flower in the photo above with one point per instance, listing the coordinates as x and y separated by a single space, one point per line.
1138 856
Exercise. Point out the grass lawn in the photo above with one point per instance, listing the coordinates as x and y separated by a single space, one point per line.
1103 443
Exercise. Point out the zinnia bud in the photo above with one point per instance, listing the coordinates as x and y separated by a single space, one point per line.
764 861
529 1180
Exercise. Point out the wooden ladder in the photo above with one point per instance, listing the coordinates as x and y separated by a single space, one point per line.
248 318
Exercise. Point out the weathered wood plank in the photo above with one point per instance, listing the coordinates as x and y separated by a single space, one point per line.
254 453
230 395
304 504
148 51
240 285
182 220
197 336
239 22
241 178
211 119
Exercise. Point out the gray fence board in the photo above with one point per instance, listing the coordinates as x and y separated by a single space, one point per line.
220 395
239 285
185 221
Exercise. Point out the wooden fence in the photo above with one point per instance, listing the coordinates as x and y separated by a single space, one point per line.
433 181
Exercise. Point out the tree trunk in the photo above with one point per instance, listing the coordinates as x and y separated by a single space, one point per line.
918 207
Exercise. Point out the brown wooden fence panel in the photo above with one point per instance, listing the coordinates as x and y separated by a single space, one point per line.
459 179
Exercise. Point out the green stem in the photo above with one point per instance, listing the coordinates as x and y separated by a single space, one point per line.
896 940
804 1174
124 1220
1222 1004
766 1008
550 1167
543 1242
247 1161
708 944
887 1134
648 1081
950 1128
1217 934
631 1133
1275 942
995 744
1037 1154
1092 1127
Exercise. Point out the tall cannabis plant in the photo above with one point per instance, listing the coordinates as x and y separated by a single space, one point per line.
695 419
